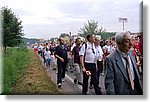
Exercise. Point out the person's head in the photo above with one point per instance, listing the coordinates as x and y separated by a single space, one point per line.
123 41
61 41
113 41
133 41
102 43
91 38
97 41
78 41
107 42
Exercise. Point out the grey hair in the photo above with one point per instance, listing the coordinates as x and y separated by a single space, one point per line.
120 35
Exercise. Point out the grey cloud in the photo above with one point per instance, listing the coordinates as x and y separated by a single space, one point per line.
48 30
106 13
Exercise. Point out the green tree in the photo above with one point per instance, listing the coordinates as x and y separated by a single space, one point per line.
12 28
107 35
63 35
54 39
91 28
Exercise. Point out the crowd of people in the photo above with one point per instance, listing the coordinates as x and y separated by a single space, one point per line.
92 58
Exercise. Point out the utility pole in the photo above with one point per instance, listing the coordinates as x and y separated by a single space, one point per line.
123 20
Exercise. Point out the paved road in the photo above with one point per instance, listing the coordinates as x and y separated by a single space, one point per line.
68 87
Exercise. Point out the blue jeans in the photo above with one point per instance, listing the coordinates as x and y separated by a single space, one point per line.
48 62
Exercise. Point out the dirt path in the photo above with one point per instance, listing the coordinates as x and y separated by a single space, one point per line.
35 80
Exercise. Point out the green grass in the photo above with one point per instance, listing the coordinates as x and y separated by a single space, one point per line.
24 74
15 60
36 80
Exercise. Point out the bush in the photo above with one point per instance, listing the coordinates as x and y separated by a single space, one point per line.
14 66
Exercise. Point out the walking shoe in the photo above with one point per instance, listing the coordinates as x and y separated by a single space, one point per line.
100 93
80 83
102 74
59 85
75 80
91 86
63 80
54 68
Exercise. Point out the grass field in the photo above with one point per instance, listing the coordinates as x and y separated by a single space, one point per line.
24 74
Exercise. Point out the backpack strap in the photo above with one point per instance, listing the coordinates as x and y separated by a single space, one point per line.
85 51
85 46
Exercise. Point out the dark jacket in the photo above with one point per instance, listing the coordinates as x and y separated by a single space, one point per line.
116 80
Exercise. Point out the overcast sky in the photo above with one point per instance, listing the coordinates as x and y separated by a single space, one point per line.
50 18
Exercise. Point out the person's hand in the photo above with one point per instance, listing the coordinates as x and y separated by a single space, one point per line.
138 64
61 59
88 73
83 69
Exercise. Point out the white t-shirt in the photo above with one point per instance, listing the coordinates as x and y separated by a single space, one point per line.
40 48
109 48
73 46
90 56
35 46
47 55
99 53
53 58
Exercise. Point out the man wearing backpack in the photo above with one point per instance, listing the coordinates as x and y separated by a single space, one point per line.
88 62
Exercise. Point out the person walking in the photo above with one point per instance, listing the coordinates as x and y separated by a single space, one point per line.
47 55
99 58
88 63
76 61
122 77
62 59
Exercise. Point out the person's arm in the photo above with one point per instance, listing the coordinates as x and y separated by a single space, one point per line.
81 54
82 63
102 54
109 79
45 54
60 58
73 59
